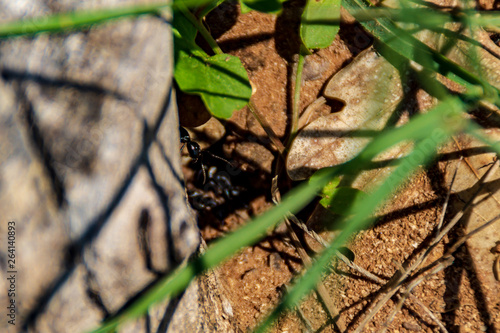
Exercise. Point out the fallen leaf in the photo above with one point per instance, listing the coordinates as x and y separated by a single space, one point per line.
371 89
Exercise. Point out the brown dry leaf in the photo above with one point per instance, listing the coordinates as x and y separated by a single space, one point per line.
371 88
325 143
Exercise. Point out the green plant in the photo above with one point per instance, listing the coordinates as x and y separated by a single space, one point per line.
395 42
220 80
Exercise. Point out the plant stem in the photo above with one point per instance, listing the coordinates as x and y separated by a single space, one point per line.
200 27
296 98
267 127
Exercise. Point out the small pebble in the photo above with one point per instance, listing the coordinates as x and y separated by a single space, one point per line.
411 326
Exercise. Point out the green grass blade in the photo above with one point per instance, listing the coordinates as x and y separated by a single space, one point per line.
448 114
356 223
476 131
400 41
83 18
222 249
487 19
74 20
444 119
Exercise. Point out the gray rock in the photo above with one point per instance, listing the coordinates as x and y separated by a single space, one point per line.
90 172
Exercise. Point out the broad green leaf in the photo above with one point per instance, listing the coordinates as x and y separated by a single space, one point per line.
340 200
184 36
244 8
265 6
315 30
220 80
204 10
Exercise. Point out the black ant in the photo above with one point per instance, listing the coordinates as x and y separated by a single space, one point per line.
195 151
219 183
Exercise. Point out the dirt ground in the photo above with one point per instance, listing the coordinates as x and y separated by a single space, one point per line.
256 278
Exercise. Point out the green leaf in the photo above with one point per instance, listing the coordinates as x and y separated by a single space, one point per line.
265 6
204 10
220 80
340 200
185 30
244 8
320 23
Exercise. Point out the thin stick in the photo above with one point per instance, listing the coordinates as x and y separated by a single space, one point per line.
302 315
394 284
320 288
349 263
409 290
429 313
445 205
463 239
267 127
296 99
392 315
304 118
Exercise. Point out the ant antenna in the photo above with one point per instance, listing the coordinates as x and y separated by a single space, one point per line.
218 157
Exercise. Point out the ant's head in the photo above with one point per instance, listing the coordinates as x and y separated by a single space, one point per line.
194 150
184 135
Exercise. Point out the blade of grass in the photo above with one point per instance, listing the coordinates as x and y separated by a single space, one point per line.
83 18
402 42
173 284
359 221
477 131
178 280
78 19
424 151
424 18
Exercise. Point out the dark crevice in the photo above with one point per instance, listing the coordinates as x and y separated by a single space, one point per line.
173 257
144 242
15 75
94 295
38 142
